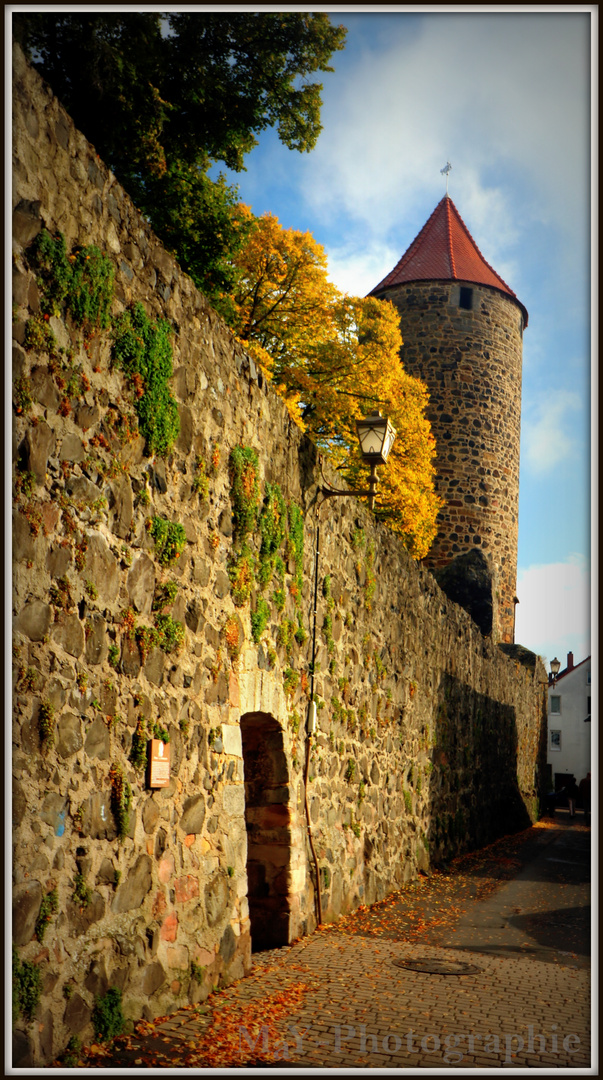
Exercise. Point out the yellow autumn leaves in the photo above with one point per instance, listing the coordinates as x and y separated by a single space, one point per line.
335 358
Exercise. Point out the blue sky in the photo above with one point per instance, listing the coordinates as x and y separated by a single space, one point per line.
504 96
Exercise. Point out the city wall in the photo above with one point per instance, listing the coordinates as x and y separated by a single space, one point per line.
429 737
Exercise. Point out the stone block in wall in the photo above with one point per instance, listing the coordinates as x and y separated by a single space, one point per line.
96 639
186 889
27 221
228 945
141 584
53 812
135 887
44 390
233 800
153 977
24 543
27 901
121 507
154 666
82 917
19 804
39 444
167 862
106 873
97 981
130 658
193 815
217 898
72 449
178 957
22 1049
101 567
77 1014
231 740
68 632
187 430
98 740
34 620
86 416
97 820
150 815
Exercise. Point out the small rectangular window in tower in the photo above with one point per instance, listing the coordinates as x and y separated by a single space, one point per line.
466 298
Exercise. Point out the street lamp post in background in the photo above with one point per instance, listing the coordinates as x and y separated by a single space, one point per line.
376 435
555 665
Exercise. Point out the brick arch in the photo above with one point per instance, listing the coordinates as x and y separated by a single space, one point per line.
268 822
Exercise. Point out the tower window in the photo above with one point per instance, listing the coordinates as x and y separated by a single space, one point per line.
466 298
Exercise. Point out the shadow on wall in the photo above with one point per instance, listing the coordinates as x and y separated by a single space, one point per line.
474 793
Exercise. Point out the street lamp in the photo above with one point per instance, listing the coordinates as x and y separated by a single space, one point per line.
555 665
376 435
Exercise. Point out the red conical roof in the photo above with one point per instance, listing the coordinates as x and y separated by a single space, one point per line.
444 250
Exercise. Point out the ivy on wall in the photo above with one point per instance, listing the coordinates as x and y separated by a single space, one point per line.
141 347
267 533
82 282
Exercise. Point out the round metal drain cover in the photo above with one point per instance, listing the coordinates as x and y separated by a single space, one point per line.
439 967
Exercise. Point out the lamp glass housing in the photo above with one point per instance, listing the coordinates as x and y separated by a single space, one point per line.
376 435
555 665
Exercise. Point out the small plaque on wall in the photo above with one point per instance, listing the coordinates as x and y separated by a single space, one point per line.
159 769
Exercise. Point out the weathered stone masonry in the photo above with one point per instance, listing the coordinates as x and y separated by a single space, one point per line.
471 362
429 737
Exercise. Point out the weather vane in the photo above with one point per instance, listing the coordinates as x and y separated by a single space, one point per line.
446 170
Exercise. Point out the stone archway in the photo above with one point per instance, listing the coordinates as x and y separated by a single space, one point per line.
268 822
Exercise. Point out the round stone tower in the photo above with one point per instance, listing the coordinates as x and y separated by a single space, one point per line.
462 328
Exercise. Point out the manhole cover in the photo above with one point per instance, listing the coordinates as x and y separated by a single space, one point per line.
439 967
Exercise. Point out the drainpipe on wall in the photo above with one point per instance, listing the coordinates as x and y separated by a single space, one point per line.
311 723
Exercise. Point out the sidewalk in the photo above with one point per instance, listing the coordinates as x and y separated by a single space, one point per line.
340 999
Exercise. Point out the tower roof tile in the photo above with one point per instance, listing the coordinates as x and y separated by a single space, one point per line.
444 250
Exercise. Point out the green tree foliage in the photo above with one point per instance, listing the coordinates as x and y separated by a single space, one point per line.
164 96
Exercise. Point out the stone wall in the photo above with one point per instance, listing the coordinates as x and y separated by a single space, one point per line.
429 738
471 362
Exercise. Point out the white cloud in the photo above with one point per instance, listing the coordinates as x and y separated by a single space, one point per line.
545 439
357 272
503 96
553 615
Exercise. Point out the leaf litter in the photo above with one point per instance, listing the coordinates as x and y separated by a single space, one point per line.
241 1026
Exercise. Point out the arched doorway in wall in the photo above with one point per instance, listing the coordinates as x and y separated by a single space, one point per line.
268 821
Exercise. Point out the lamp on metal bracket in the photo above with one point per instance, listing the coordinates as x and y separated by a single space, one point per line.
555 665
376 435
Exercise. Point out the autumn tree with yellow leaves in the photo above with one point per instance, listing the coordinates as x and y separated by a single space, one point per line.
334 358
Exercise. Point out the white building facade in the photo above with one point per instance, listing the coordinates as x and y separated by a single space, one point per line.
569 722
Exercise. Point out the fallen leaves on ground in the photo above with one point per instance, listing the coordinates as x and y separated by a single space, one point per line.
423 910
239 1026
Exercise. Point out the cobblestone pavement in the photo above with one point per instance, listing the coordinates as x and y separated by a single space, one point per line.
339 999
